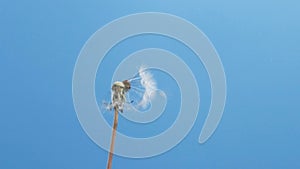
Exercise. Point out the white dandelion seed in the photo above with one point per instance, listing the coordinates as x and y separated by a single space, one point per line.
149 84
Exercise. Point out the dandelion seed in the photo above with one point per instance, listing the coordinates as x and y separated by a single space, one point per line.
148 83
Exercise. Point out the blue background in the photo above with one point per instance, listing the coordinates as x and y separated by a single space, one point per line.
258 43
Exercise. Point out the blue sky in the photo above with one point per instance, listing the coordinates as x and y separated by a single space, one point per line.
258 43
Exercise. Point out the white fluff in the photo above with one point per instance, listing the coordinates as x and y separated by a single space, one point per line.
148 82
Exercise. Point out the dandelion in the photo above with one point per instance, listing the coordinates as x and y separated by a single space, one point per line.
144 85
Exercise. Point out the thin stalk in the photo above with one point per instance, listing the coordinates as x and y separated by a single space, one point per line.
113 136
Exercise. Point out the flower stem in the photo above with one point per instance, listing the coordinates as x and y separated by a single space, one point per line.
113 136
